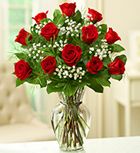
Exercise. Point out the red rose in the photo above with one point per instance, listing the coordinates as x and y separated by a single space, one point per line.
48 64
49 31
89 33
68 8
94 16
111 36
116 67
94 65
23 36
22 70
71 54
40 16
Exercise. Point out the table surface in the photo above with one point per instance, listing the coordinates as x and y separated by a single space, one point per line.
105 145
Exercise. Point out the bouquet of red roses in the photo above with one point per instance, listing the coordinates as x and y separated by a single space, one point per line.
65 54
69 52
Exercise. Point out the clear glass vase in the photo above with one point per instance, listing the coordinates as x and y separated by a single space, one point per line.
71 121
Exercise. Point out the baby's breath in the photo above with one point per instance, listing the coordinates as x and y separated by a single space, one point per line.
76 73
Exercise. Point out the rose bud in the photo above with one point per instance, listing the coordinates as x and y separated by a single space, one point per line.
94 16
22 70
89 34
48 64
94 65
40 16
111 36
68 8
116 67
23 36
71 54
49 31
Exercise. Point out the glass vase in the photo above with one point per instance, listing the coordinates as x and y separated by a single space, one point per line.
71 121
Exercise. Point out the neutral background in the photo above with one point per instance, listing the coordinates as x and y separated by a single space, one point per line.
123 16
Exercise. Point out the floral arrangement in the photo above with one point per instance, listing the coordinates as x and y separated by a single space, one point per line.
69 52
65 54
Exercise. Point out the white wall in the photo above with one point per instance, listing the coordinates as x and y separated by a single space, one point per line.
1 48
123 16
44 5
4 43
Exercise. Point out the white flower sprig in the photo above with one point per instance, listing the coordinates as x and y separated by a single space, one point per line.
59 44
70 72
101 51
38 27
35 52
88 22
71 28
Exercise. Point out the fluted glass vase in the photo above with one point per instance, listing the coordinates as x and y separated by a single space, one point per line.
71 121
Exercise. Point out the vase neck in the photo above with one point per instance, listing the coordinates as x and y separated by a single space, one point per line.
74 99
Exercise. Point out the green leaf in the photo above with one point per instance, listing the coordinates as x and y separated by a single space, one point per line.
103 82
21 56
58 17
103 74
46 20
70 88
123 58
32 80
28 41
117 77
55 87
40 80
77 16
56 13
93 84
106 61
103 78
33 29
117 48
103 29
19 82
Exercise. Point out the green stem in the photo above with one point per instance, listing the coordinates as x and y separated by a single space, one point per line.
84 121
74 125
79 134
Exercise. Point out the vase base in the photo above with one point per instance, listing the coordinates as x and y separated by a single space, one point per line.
80 148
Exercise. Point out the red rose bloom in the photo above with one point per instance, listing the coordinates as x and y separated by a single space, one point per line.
22 70
49 31
116 67
40 16
71 54
23 36
89 33
48 64
111 36
94 16
94 65
68 8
